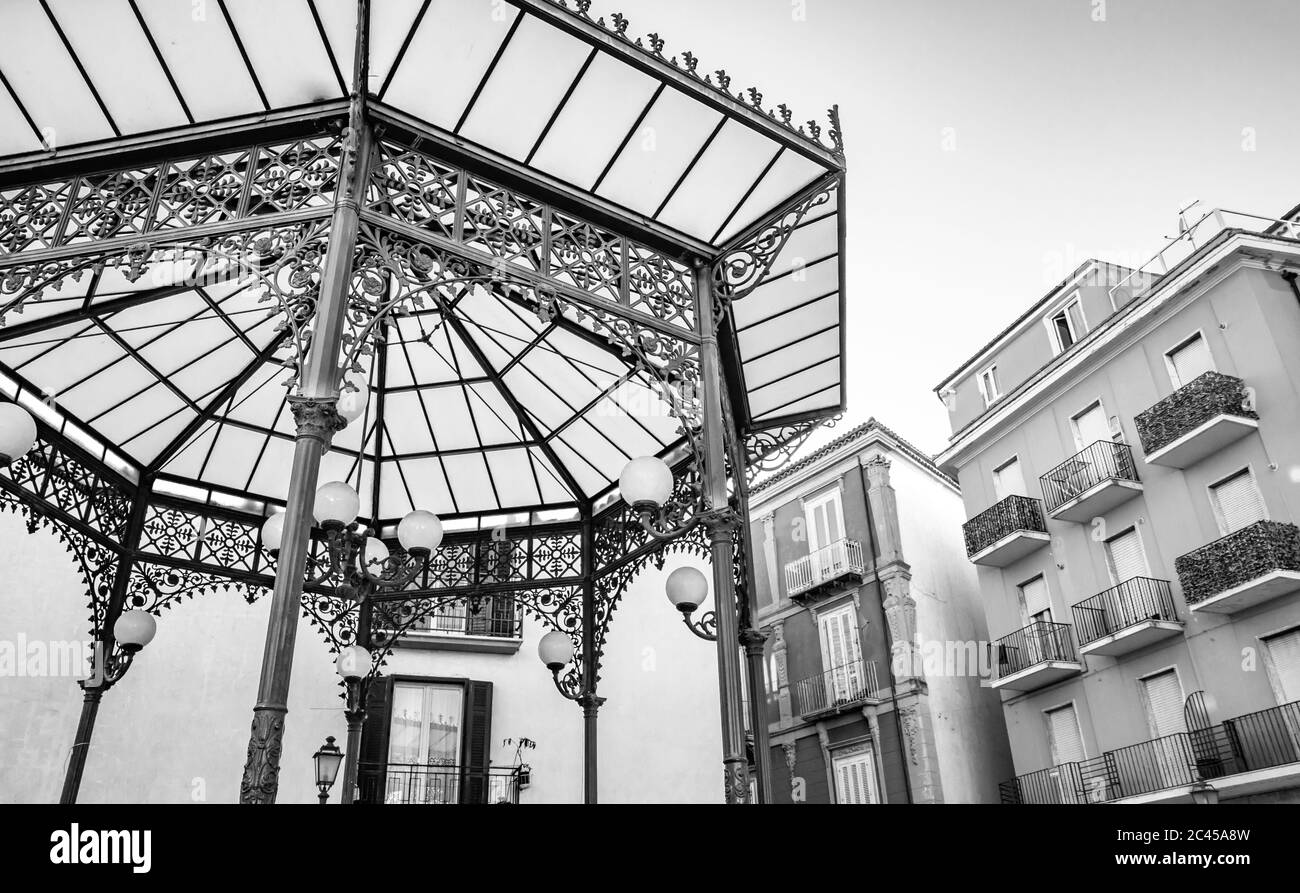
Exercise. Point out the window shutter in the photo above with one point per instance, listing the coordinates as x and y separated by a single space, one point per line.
373 763
1190 360
1285 653
477 748
1127 559
1165 704
1063 733
1009 480
1035 597
1091 426
855 779
1239 502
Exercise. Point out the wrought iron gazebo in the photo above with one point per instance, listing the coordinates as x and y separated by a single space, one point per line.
523 247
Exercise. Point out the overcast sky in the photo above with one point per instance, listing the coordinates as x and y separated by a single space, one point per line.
1069 138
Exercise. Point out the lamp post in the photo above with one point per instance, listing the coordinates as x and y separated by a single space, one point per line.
358 564
327 761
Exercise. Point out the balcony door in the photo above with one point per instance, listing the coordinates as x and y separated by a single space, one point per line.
1091 426
424 742
824 518
1067 747
842 655
1126 560
1008 480
1170 754
1036 611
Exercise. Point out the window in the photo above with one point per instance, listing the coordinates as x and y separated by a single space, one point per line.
1034 602
1237 502
855 775
1284 660
825 518
1163 694
1188 360
1066 743
1068 326
1009 480
988 382
842 655
1125 556
425 724
1090 426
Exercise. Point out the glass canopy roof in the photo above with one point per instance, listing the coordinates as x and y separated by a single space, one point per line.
487 406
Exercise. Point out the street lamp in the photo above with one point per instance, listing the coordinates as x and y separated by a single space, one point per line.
358 564
687 587
327 760
131 632
17 433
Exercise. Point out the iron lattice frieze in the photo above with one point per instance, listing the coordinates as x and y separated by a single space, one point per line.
511 229
58 485
158 587
170 195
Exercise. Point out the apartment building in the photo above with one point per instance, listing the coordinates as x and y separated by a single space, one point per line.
873 621
1128 455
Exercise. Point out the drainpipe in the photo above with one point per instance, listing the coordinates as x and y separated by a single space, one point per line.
1291 281
889 638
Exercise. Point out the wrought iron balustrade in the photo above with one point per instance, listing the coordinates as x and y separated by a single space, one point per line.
1103 461
1037 643
838 687
1238 558
496 616
1001 520
1133 601
1208 395
827 564
420 784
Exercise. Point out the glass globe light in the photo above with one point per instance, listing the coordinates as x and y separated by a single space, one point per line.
352 404
555 650
336 503
375 554
353 662
687 588
419 532
273 532
17 432
135 629
646 482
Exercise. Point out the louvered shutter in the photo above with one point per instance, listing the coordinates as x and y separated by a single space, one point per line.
477 748
1190 360
1063 733
1239 502
855 779
1165 704
373 764
1285 653
843 653
1127 560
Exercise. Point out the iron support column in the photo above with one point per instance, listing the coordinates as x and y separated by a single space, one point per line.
720 523
589 700
77 759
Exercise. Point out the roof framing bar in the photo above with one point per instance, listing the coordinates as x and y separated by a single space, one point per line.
76 60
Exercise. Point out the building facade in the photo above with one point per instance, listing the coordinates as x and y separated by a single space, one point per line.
873 620
1128 455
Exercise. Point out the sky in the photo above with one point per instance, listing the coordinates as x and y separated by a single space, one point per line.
995 144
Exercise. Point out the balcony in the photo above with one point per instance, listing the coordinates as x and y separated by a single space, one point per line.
1243 569
494 625
1091 482
1127 617
413 783
1005 532
1195 421
1240 756
826 569
1038 655
835 690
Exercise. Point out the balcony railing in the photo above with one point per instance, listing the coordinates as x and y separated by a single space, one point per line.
1265 739
842 558
1037 643
1206 397
414 783
1134 601
1260 552
840 687
496 616
1002 519
1104 461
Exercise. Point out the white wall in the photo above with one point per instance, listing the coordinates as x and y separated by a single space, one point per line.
176 728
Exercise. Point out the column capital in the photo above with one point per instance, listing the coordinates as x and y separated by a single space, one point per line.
590 703
317 417
753 640
877 470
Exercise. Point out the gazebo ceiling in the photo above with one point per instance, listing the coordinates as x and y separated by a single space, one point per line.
488 406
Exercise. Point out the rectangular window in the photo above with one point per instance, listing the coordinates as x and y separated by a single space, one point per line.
1125 556
425 728
1068 326
1189 360
988 382
825 518
855 775
1164 703
1034 601
1284 655
1009 480
1237 502
1090 426
1063 733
